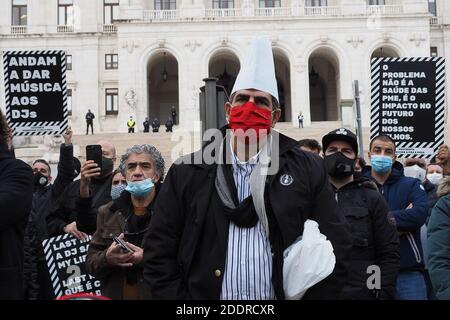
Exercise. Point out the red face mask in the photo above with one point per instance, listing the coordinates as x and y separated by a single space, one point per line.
248 116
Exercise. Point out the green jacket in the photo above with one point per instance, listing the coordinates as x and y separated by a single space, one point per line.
439 248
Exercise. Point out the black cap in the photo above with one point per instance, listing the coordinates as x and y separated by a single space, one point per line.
341 134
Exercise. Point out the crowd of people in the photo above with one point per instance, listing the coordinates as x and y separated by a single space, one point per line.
220 229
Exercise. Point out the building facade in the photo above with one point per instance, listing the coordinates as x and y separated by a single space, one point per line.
142 57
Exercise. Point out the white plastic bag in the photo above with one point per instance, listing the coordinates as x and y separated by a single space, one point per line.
309 260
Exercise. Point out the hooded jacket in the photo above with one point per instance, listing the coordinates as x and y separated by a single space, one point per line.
401 192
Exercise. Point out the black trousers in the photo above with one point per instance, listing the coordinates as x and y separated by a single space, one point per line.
130 130
87 127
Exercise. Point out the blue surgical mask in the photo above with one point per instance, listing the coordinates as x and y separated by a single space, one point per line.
140 189
117 190
381 164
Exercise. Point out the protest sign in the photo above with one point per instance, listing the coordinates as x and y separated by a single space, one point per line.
408 104
65 256
35 92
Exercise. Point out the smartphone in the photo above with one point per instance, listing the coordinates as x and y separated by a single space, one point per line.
123 245
94 152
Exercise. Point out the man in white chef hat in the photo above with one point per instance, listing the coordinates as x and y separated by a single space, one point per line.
220 229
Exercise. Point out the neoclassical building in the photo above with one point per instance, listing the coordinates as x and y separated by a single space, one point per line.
141 57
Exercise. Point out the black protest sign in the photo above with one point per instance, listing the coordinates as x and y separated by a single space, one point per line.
35 92
65 256
408 103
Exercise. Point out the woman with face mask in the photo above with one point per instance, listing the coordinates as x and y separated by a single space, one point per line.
115 252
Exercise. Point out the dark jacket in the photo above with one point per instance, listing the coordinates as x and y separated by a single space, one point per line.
89 117
110 223
430 189
185 248
36 231
439 248
155 125
169 124
375 240
146 126
400 192
16 191
70 204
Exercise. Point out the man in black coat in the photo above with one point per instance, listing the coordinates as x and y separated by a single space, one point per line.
155 125
225 215
89 121
82 195
146 125
375 238
169 125
45 194
16 192
174 115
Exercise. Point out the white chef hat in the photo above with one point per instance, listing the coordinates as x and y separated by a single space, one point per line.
258 70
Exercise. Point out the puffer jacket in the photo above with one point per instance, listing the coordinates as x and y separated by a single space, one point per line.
374 237
401 192
439 243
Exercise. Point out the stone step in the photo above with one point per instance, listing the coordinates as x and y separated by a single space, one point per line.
178 143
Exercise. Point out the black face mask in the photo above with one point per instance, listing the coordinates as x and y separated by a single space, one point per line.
339 166
107 166
39 180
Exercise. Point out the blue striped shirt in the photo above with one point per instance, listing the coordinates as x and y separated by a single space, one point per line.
248 265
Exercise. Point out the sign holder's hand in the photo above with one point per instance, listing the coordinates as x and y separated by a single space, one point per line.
443 155
71 228
68 136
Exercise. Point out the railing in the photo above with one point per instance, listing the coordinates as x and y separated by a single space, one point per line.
385 10
18 29
160 14
109 28
64 29
272 12
322 11
434 21
223 13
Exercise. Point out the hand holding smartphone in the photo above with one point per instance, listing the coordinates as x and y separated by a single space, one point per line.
123 245
94 152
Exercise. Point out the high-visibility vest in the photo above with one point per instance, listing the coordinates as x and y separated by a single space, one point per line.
131 123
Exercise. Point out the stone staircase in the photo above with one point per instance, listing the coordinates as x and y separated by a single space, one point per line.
171 145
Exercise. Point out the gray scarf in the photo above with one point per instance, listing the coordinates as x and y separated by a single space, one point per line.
257 181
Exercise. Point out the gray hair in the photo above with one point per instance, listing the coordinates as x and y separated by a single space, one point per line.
148 149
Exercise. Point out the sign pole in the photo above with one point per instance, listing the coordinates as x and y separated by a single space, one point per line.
358 119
